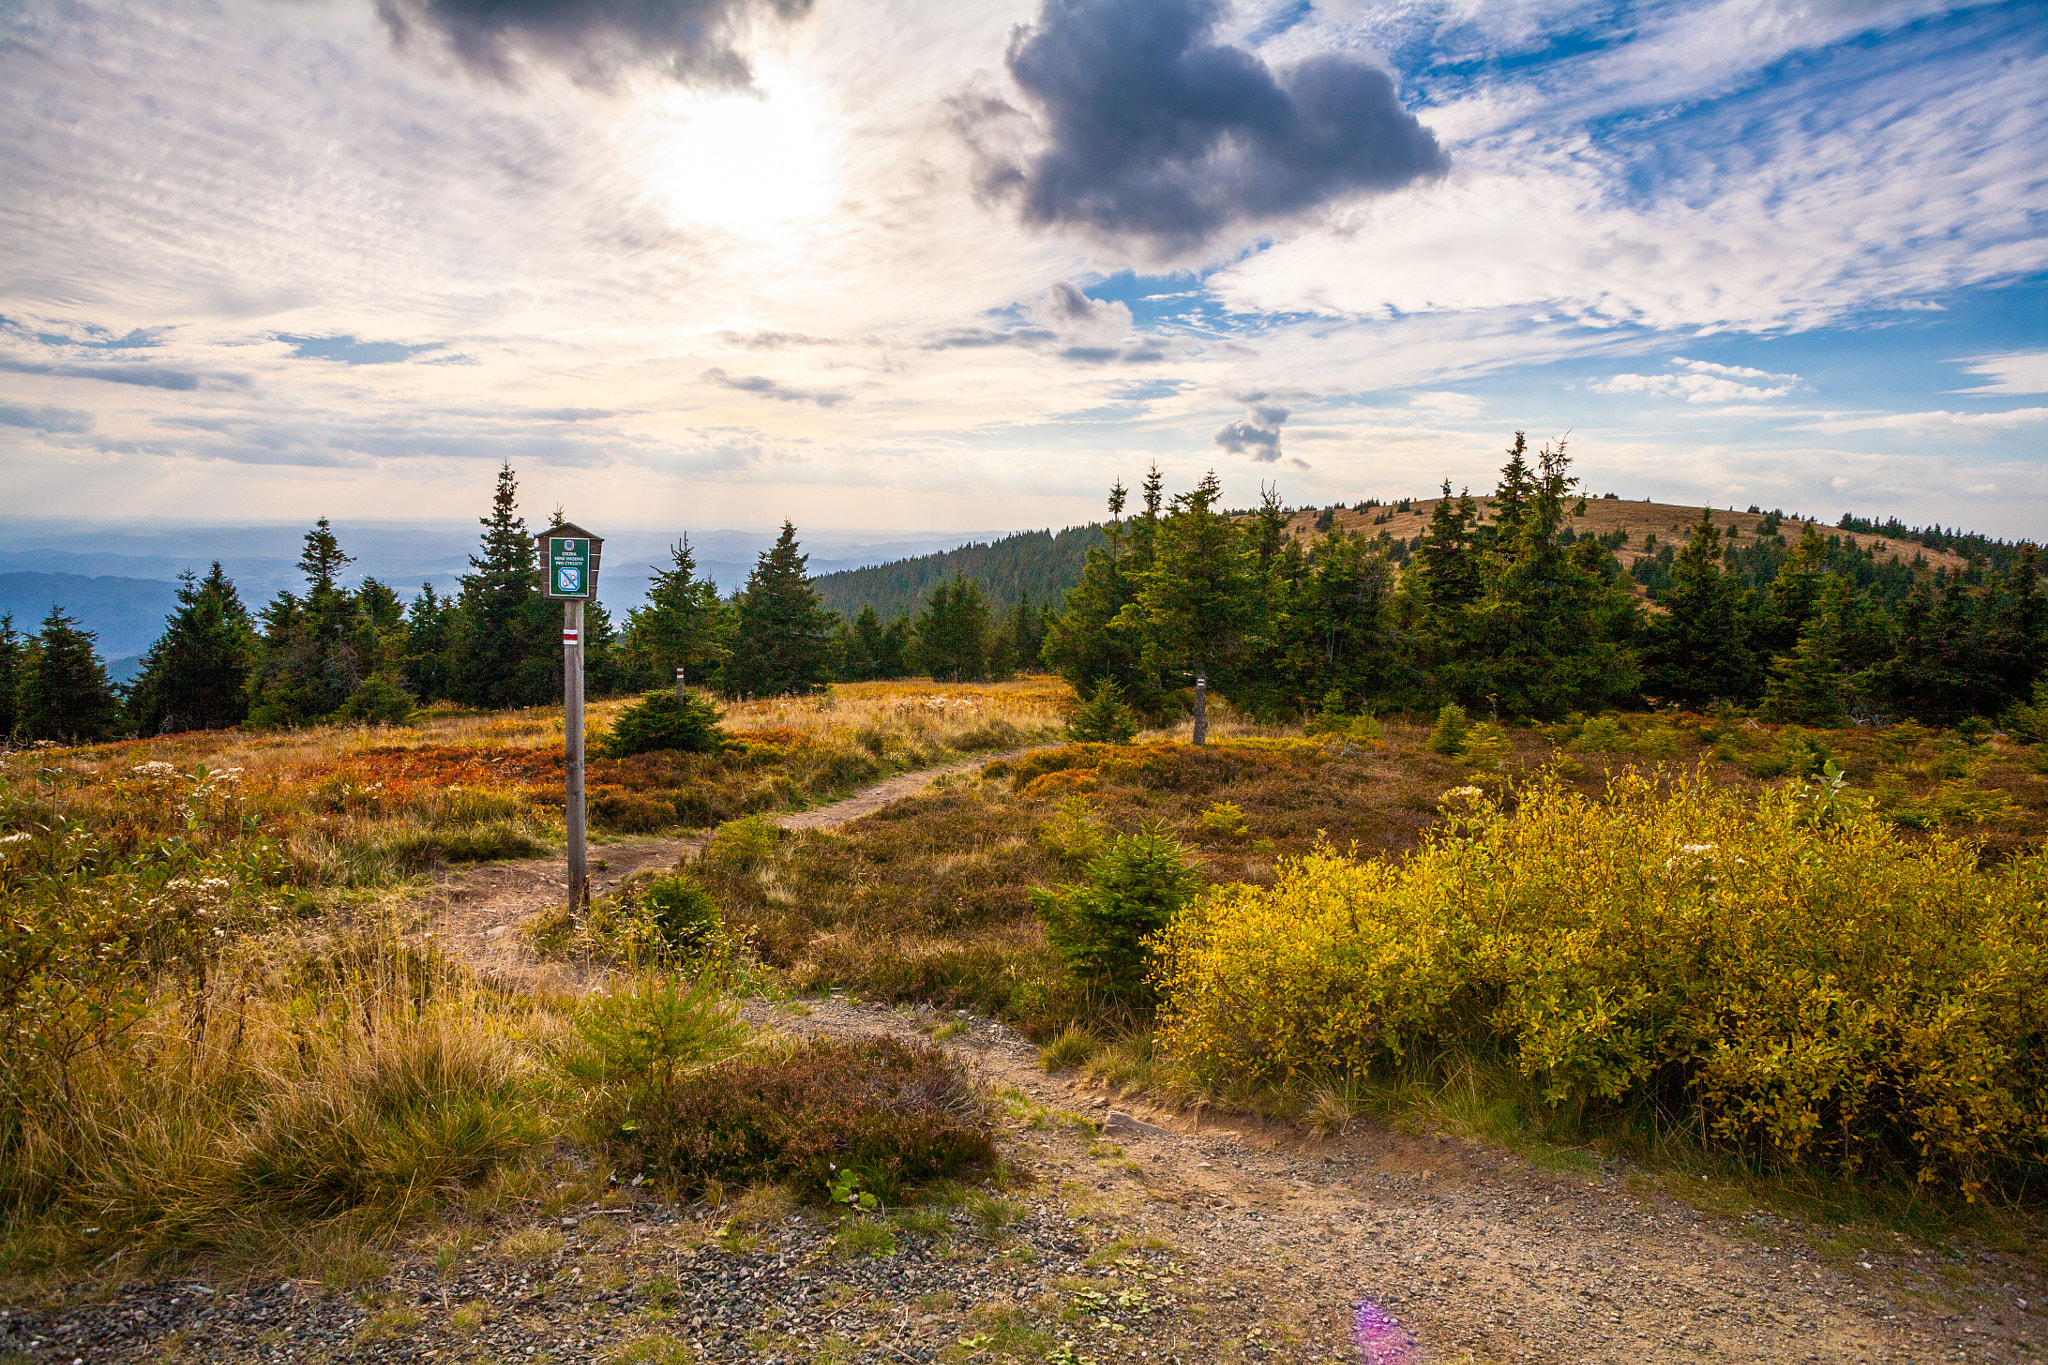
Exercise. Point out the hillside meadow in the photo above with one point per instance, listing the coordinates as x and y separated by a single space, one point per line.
226 1039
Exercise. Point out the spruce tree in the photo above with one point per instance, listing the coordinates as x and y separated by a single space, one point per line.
892 659
1555 629
1094 636
65 692
862 646
953 631
684 623
11 652
1026 630
1807 685
502 654
429 636
195 677
1196 602
782 638
317 649
1698 651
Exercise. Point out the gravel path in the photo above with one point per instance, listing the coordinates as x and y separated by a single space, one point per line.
1128 1235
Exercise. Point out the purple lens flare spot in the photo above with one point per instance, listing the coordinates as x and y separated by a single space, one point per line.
1381 1340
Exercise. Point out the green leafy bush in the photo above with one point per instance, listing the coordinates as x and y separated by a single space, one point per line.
662 721
378 701
685 915
1602 735
739 846
892 1113
1103 929
1103 718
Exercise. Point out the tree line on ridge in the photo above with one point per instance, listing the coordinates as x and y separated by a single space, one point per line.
1505 610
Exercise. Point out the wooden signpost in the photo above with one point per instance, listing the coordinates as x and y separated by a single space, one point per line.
568 557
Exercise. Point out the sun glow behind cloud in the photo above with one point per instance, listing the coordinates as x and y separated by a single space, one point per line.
754 163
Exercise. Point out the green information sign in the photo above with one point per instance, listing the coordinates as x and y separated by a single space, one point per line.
568 567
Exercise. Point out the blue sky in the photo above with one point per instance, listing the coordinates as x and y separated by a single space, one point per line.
876 264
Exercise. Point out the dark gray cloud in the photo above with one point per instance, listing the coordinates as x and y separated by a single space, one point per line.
349 351
47 418
1154 131
1140 353
967 338
772 341
695 41
772 388
1257 433
148 376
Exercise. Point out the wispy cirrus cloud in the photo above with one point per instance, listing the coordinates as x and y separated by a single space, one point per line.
2015 372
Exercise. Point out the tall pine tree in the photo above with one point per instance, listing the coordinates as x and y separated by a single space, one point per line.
953 631
1807 685
1698 650
684 624
195 677
1197 602
782 638
12 649
65 693
504 653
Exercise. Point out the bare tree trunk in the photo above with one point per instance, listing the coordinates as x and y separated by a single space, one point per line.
1201 706
680 694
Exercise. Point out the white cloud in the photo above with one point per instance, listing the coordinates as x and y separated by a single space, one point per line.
1931 423
2015 372
1701 381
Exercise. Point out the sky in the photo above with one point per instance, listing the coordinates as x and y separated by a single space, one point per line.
887 265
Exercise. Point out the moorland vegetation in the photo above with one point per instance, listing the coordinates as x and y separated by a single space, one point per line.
1747 878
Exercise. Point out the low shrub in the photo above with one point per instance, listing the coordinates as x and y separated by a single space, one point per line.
895 1114
663 721
1809 989
1486 745
479 843
1601 735
1225 818
378 701
1072 1048
1103 929
649 919
1796 753
740 846
1104 718
1447 736
685 915
644 1037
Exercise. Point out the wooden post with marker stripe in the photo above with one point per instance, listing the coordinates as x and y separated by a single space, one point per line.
572 736
569 557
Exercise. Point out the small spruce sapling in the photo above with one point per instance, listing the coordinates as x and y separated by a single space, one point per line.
1447 736
1103 718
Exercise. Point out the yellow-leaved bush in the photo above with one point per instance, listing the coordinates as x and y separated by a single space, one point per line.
1788 974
